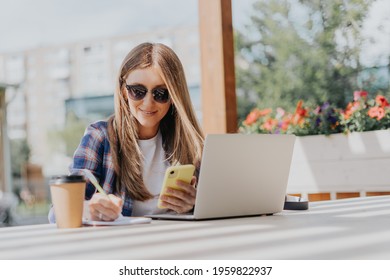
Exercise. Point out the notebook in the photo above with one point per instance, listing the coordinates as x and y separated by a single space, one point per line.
241 175
122 220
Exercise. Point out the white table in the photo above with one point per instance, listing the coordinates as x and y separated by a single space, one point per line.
357 228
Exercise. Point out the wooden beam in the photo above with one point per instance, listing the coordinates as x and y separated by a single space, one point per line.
219 105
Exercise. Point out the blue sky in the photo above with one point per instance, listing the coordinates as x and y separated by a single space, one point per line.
27 24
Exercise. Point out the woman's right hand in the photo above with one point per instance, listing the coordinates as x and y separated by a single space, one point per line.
105 208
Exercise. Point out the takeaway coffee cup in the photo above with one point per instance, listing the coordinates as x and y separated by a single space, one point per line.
67 195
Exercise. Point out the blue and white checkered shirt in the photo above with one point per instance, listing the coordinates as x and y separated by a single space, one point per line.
94 154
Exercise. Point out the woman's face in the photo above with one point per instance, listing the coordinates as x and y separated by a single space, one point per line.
147 110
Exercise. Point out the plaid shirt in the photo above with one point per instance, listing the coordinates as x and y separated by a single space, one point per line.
94 153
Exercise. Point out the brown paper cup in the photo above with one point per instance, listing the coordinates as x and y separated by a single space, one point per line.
67 195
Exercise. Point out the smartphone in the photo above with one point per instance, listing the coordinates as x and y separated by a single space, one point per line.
173 173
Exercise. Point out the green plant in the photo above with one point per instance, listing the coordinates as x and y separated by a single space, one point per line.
283 56
362 114
20 154
69 136
365 114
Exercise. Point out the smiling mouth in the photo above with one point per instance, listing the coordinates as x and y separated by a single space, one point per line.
148 112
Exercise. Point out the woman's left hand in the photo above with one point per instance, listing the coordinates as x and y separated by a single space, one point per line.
183 200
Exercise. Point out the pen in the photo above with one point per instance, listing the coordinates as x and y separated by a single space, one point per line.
93 180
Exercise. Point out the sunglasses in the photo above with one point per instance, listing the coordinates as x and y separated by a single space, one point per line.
138 92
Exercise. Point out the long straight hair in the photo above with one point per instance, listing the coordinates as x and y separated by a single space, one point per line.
181 133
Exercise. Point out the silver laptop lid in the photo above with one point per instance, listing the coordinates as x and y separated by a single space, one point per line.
243 175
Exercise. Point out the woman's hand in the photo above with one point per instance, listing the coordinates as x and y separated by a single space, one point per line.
105 208
183 200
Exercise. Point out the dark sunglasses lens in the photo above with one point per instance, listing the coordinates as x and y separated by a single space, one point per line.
161 95
136 92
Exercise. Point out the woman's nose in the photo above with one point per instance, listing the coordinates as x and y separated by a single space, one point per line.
148 99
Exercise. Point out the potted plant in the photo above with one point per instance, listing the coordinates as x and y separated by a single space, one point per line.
337 149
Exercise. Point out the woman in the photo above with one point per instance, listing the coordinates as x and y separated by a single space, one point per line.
154 126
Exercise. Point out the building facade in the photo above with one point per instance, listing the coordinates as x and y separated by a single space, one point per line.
57 79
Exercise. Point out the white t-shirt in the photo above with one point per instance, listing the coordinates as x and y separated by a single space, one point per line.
154 168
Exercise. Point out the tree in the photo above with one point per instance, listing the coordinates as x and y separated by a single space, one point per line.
68 137
20 155
300 49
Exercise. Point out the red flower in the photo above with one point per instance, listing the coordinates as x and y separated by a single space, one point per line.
299 110
376 113
285 124
269 124
252 117
351 107
357 95
255 115
300 114
381 101
265 112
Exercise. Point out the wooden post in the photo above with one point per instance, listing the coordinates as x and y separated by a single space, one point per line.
219 105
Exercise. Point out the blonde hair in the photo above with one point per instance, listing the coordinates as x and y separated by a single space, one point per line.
180 130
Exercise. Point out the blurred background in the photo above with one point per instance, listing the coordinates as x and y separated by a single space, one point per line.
59 59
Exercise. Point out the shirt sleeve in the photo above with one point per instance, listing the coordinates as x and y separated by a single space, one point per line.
89 155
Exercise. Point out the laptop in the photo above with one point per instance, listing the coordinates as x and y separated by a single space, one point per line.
240 175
